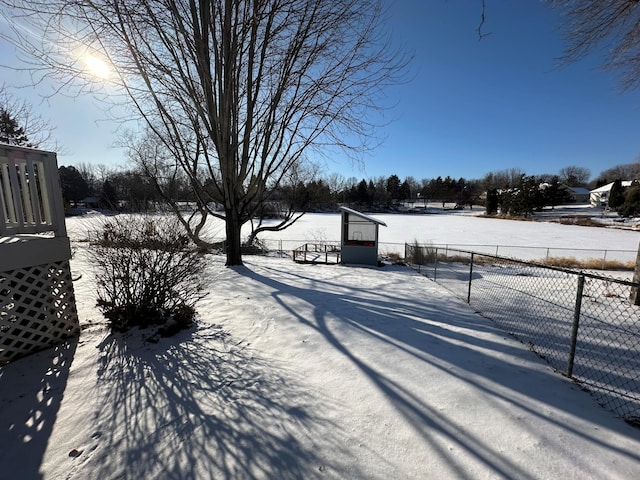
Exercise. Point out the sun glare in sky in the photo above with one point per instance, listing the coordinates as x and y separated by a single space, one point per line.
97 67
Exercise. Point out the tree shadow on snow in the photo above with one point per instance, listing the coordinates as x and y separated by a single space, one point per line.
452 341
200 407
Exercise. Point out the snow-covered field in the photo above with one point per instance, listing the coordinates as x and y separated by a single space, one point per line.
326 371
457 229
525 240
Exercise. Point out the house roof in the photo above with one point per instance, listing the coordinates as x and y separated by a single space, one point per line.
362 215
607 187
580 190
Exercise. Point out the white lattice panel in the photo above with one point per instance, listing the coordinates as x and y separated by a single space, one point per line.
37 309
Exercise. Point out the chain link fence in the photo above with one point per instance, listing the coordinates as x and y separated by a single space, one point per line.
598 257
584 325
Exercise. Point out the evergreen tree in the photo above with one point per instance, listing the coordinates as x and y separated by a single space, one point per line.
363 194
372 193
319 195
393 186
404 192
555 193
73 185
492 202
616 195
523 200
109 197
10 131
438 189
449 191
631 205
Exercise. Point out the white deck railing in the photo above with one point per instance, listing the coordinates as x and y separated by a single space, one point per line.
30 196
37 304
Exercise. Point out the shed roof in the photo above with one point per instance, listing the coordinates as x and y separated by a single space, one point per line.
362 215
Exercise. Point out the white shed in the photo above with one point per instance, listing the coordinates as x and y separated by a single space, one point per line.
359 239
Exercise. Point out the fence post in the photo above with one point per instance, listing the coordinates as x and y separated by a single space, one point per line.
635 293
435 266
470 278
576 322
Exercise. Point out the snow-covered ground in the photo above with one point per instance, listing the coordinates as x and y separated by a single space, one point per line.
326 371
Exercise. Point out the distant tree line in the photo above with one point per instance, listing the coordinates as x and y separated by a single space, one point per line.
390 192
510 191
113 188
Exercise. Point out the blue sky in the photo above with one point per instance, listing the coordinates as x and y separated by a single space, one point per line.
470 106
502 102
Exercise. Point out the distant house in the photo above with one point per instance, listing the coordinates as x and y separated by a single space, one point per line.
91 202
599 197
571 194
580 194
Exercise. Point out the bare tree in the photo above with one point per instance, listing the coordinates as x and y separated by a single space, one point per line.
286 203
613 23
20 125
574 176
336 182
627 171
238 91
88 172
503 178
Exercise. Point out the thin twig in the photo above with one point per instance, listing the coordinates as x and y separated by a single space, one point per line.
482 19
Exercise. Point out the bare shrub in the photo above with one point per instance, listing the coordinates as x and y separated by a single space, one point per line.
255 247
582 221
421 254
147 273
588 264
394 257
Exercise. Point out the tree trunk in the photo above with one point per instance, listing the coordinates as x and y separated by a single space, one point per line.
234 238
635 298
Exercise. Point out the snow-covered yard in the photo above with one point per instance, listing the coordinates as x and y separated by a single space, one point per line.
313 371
596 340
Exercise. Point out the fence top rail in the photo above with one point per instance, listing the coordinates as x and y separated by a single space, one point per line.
525 247
539 265
464 246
